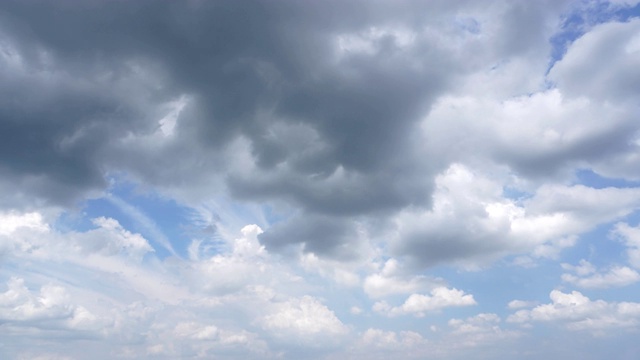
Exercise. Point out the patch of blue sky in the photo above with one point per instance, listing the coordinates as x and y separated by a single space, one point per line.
596 247
80 219
515 194
162 221
159 218
494 287
584 16
588 177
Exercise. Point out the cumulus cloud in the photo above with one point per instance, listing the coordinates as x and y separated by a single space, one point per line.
630 237
304 319
51 307
480 330
472 221
390 339
577 312
392 279
518 304
420 305
375 145
587 276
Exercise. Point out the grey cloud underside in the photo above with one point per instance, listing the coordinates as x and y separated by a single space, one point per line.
237 61
334 133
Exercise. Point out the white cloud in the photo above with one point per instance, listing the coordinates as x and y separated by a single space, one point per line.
480 330
581 71
355 310
577 312
12 221
51 305
472 222
392 279
342 273
474 324
144 221
390 340
419 304
630 237
587 276
519 304
304 319
111 238
381 344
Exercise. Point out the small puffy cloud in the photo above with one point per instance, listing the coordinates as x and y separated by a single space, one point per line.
577 312
390 340
587 276
479 330
111 238
419 305
474 324
355 310
519 304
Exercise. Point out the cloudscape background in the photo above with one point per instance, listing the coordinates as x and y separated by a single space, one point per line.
320 179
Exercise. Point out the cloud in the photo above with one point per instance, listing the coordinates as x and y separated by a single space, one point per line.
372 146
394 278
419 304
336 123
50 308
480 330
630 236
304 319
577 312
473 222
586 276
580 71
390 339
518 304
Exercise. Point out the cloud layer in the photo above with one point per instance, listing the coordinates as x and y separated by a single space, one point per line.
335 179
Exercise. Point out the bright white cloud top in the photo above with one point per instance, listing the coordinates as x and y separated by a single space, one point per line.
320 180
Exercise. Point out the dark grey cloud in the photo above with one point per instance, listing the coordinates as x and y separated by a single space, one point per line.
235 59
244 66
322 235
317 104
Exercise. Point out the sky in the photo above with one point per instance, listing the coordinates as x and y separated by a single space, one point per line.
338 179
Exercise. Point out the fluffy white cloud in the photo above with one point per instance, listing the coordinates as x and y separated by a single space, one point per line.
52 306
419 304
518 304
577 312
581 71
587 276
381 344
10 222
389 340
480 330
304 319
472 221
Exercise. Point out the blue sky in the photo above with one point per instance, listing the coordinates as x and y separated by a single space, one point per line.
321 180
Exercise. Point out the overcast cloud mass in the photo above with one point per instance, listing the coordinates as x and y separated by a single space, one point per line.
320 179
